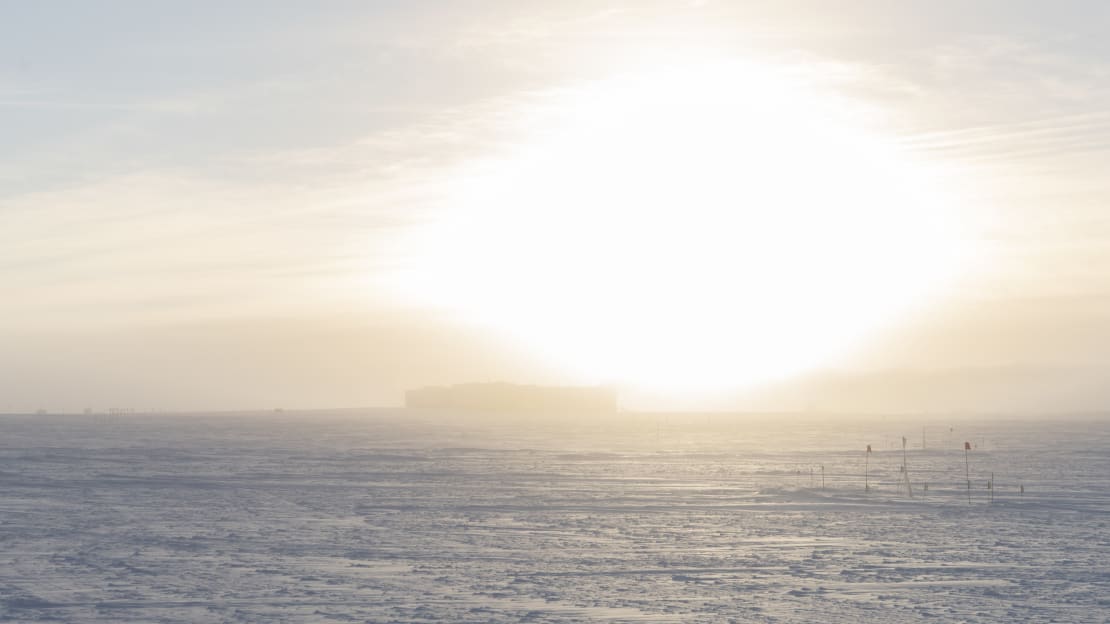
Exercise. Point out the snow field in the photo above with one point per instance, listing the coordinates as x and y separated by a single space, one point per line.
393 516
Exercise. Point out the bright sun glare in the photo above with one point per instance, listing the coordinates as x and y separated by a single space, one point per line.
693 229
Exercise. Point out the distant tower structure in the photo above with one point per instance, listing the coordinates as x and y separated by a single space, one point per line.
507 397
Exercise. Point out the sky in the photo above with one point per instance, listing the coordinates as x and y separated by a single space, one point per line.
877 206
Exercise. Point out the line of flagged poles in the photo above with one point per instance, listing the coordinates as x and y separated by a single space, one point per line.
905 477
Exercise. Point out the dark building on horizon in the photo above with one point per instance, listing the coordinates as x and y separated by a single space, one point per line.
507 397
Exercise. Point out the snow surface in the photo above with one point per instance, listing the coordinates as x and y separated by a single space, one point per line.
394 516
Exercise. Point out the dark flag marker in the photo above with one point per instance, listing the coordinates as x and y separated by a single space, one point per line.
967 471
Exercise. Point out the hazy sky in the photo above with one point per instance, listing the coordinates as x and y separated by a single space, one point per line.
872 205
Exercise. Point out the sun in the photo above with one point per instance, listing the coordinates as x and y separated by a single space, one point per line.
696 228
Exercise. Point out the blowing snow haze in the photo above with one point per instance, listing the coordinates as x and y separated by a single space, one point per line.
711 205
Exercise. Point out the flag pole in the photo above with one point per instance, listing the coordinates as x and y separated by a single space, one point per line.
967 471
906 469
866 457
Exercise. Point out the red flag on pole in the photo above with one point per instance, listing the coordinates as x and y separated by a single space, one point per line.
967 446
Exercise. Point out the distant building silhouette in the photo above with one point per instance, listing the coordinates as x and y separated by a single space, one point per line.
514 397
